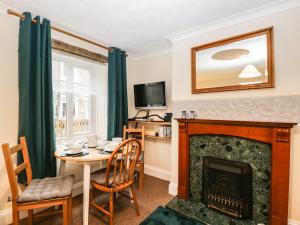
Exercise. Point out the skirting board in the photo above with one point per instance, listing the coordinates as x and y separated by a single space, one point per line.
293 222
157 172
173 188
5 214
6 217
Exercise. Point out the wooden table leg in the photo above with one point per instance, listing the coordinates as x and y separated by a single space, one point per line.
86 192
62 167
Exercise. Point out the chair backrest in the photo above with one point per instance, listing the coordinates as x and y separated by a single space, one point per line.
138 133
12 169
122 162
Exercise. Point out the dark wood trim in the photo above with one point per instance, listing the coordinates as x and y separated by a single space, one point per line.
74 50
276 134
238 122
271 81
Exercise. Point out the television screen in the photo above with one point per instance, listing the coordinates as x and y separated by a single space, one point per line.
150 95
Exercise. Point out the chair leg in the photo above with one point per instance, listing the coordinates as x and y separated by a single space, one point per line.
70 209
141 177
91 194
30 216
111 208
135 200
115 196
65 213
16 214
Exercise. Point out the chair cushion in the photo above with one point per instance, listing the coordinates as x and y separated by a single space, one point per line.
47 188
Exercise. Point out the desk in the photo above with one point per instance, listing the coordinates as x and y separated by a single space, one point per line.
93 156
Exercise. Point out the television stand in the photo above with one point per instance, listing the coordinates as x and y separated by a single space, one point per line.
154 130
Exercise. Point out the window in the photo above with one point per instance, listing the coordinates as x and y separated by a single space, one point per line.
79 89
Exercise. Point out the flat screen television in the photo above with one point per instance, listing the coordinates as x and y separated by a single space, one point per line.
150 95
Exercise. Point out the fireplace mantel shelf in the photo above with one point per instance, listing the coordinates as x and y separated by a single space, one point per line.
239 123
275 133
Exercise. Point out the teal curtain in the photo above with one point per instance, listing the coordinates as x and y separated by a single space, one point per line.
35 96
117 93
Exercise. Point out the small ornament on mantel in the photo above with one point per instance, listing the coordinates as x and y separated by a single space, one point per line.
191 115
184 115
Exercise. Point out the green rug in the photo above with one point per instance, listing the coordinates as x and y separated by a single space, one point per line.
165 216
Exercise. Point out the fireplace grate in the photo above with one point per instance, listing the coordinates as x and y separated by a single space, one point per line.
227 187
225 205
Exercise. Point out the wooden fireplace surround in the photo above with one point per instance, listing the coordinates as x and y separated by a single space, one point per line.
276 134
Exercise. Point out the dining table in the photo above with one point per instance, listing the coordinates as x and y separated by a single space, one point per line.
90 156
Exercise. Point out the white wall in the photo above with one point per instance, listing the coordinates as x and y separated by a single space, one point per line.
287 55
152 69
9 96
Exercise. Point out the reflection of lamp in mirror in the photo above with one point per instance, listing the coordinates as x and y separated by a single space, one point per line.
249 71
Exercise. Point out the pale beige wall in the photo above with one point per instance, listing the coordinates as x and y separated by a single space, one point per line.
150 69
144 70
287 55
8 95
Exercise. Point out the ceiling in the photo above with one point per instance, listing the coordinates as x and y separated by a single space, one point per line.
257 47
141 27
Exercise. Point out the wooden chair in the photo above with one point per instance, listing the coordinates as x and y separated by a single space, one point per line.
138 134
117 176
38 193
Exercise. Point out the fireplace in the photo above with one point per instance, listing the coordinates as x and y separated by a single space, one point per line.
227 187
271 137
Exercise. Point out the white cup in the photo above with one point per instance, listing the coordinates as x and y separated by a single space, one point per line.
117 140
92 140
75 149
101 143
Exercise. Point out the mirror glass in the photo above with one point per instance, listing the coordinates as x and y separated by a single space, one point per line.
240 64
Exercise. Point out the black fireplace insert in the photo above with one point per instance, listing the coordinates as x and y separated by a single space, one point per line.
227 187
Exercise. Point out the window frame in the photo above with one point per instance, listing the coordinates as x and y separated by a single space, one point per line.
74 62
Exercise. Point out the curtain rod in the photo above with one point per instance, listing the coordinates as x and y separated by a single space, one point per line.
21 16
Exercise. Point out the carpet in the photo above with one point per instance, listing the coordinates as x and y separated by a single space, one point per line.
165 216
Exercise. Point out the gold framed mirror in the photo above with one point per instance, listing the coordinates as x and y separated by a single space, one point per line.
236 63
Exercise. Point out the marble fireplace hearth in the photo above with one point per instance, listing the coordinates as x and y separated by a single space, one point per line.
263 145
